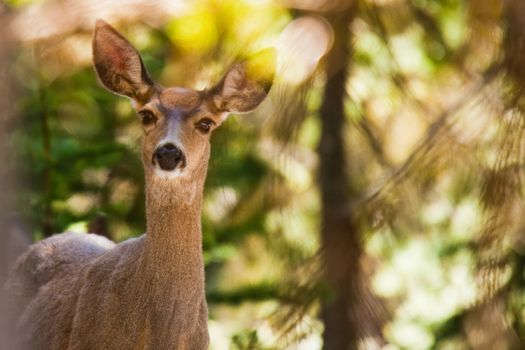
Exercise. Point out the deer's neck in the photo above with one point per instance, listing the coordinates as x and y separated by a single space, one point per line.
172 258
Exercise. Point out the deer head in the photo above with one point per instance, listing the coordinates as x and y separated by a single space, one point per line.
177 122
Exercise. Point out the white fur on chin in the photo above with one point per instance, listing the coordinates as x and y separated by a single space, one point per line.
168 175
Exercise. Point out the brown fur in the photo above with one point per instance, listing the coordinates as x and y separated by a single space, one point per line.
82 291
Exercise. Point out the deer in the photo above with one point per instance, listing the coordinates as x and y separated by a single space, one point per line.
83 291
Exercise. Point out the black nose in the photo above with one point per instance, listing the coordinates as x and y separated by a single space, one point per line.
168 156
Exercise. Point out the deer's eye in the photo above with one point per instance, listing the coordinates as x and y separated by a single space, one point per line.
147 117
204 125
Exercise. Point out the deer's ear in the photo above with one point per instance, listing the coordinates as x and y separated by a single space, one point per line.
245 84
118 64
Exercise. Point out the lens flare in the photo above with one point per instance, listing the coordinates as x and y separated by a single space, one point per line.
301 46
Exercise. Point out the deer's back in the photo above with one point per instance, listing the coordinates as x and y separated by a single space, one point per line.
49 269
52 257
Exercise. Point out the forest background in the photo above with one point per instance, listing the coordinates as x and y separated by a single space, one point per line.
374 201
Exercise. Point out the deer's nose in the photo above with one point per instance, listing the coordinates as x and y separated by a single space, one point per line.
168 156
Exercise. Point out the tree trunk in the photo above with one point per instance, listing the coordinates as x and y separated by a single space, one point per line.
341 244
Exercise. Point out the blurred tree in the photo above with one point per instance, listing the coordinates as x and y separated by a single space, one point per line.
345 310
